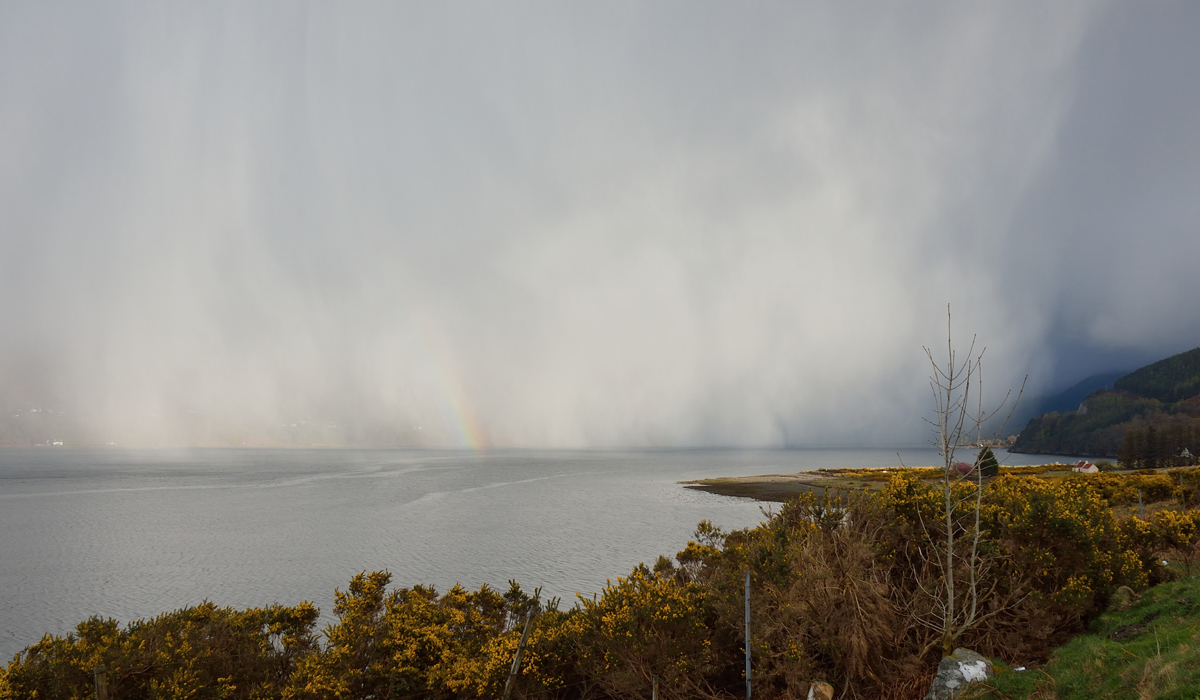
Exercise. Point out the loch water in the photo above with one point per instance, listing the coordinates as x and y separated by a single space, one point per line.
132 533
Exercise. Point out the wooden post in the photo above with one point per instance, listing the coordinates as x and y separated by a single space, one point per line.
1141 509
654 691
101 682
517 658
747 634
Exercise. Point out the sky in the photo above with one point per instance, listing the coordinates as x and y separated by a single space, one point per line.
668 224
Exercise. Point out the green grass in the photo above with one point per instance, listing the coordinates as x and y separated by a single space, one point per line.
1151 650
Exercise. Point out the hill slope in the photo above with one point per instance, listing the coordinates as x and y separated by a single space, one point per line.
1148 417
1173 379
1069 399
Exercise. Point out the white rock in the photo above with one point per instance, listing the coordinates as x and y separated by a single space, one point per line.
820 690
956 671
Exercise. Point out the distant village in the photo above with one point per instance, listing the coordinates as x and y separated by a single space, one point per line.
1002 443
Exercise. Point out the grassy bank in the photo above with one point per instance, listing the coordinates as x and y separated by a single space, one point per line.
1144 648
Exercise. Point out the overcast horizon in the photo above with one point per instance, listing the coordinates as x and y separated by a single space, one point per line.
618 225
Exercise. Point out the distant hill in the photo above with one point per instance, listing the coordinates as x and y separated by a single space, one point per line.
1063 401
1069 399
1147 418
1173 379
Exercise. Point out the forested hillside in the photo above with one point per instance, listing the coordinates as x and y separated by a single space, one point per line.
1149 417
1173 379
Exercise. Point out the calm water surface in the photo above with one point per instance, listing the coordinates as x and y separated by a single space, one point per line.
132 533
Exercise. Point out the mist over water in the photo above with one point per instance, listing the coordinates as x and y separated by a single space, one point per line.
546 225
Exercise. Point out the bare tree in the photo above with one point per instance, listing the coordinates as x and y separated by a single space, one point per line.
955 385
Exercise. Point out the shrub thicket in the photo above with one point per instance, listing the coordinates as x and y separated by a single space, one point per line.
202 651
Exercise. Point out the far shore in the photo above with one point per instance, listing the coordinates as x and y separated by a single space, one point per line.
777 488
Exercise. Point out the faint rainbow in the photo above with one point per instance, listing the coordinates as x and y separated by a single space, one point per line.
456 407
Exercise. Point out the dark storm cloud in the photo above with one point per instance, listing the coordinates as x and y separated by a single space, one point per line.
659 224
1115 216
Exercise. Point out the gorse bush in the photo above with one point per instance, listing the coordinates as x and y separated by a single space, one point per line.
202 652
844 587
1123 489
412 642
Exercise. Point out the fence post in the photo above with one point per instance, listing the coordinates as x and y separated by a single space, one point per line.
747 634
101 676
517 658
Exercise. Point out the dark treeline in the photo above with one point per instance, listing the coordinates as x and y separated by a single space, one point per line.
1097 429
1150 446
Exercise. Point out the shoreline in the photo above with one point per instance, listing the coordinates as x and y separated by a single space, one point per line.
777 488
